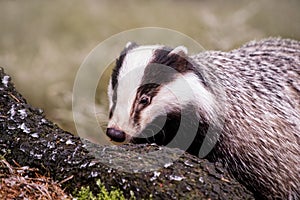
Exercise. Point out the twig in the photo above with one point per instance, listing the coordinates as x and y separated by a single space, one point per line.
65 180
14 97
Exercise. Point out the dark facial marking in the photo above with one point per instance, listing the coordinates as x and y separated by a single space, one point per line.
165 65
144 96
162 69
114 101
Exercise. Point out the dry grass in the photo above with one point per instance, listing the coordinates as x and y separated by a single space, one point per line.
27 183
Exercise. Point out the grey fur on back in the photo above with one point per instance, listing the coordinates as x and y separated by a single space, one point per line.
260 141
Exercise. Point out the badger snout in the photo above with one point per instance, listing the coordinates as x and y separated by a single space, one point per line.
116 135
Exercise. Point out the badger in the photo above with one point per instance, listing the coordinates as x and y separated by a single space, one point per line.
243 106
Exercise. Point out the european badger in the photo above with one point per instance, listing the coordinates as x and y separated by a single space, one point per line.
248 100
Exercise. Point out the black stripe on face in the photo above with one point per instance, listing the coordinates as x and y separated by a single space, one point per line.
161 70
144 96
114 101
160 67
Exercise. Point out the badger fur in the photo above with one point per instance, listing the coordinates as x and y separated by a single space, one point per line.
247 99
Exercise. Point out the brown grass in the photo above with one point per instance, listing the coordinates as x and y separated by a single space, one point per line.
26 183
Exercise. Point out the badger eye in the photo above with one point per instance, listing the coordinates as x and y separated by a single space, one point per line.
144 100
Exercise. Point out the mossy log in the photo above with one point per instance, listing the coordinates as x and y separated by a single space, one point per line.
29 139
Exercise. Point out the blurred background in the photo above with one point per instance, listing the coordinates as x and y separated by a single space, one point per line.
43 43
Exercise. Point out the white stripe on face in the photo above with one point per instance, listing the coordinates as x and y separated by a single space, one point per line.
130 78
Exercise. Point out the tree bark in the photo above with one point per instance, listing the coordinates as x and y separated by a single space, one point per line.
29 139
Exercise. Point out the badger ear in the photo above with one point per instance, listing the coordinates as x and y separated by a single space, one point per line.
180 50
179 60
131 45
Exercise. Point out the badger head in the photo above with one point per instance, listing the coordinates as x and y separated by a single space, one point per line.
153 91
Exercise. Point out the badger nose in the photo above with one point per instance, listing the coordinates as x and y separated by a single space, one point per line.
116 135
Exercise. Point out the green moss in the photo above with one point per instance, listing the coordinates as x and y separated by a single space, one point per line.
104 194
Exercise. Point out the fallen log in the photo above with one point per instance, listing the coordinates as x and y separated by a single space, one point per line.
29 139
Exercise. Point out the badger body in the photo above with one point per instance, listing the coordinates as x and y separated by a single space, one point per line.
245 104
